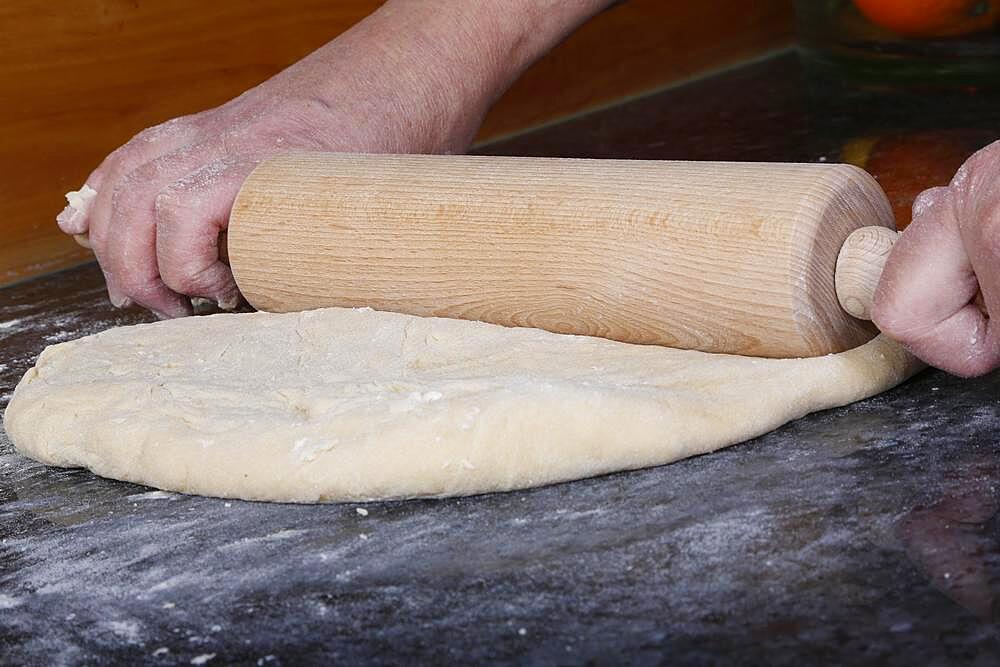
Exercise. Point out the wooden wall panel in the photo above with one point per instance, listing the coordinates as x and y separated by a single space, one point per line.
78 79
639 46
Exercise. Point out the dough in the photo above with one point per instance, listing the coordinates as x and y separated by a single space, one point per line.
78 204
341 404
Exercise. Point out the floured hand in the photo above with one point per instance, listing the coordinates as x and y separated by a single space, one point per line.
163 198
411 78
928 297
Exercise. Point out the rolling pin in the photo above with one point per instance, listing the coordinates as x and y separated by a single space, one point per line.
762 259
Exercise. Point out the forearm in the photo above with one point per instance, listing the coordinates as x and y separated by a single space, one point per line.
449 60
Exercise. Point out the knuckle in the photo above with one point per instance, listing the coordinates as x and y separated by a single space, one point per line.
130 190
179 281
988 229
166 205
982 232
182 276
928 199
984 160
156 133
173 215
978 173
123 204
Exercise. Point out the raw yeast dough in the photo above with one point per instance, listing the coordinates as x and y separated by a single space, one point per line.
340 404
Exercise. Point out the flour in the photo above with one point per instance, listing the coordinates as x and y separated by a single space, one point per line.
9 602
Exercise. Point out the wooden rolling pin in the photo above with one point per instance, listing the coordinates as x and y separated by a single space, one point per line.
723 257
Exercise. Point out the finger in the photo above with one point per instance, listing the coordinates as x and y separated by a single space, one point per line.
190 214
978 211
129 251
90 230
77 219
924 297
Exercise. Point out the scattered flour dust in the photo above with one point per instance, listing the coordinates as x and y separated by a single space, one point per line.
152 495
202 659
9 601
52 328
127 630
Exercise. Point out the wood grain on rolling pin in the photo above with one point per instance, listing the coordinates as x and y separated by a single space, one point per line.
859 267
734 257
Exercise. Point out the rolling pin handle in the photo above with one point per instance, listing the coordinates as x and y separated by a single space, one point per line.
859 267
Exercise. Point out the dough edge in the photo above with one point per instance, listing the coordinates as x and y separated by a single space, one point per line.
528 435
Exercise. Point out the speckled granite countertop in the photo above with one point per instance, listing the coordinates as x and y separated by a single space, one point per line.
863 535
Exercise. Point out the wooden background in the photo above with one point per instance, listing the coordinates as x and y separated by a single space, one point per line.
79 79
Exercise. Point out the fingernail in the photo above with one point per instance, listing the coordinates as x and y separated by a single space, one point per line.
122 302
117 298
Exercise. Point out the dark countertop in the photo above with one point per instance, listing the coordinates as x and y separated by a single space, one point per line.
863 535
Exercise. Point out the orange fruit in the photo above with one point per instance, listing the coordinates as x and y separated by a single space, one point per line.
931 18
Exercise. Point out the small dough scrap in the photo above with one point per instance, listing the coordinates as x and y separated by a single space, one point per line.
354 404
78 205
80 200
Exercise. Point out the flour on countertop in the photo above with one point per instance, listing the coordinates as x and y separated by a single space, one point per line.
8 601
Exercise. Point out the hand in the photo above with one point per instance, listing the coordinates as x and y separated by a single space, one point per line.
414 77
162 199
927 298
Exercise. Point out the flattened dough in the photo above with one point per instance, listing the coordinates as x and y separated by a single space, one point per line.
340 404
